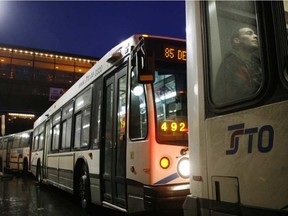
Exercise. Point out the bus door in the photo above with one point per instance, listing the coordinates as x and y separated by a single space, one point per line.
114 149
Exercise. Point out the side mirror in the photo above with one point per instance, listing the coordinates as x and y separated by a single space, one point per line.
145 63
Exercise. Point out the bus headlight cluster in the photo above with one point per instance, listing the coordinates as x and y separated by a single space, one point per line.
184 167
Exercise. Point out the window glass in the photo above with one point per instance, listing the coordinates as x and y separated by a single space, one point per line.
67 126
81 70
64 128
56 135
48 134
41 141
66 133
16 141
286 51
108 125
234 58
83 100
97 113
78 76
85 127
56 118
64 73
44 71
35 143
77 137
56 131
121 127
5 144
35 139
25 137
5 67
170 98
21 69
138 110
286 15
41 128
67 111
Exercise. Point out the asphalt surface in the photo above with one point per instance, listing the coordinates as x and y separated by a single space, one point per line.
20 195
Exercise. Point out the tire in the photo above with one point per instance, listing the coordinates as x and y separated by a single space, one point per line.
83 187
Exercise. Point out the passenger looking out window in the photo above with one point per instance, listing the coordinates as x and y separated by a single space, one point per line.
239 74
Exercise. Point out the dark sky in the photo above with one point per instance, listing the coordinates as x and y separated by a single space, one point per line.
88 28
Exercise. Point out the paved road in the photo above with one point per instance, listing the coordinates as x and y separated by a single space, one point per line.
21 196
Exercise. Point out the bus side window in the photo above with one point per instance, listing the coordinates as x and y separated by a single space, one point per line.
82 119
56 132
67 126
41 141
35 140
97 98
41 137
235 63
138 111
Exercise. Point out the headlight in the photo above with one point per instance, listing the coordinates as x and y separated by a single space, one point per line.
184 167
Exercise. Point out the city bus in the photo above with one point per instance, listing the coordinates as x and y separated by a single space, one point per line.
237 139
15 151
119 136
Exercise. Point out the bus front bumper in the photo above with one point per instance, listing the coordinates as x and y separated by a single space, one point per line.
165 197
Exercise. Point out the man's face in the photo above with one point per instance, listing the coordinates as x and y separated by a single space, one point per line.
248 39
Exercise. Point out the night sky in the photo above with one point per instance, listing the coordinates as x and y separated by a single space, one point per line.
88 28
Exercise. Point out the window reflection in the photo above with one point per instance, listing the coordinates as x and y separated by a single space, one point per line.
171 104
235 63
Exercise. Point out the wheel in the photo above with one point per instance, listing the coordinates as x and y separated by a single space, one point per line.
83 187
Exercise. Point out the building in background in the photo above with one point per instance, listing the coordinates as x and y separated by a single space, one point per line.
32 80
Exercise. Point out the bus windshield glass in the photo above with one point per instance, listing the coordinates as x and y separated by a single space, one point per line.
170 98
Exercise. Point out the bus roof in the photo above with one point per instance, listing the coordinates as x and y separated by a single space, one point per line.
98 69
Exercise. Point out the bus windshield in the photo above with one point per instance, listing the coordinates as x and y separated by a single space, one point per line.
170 98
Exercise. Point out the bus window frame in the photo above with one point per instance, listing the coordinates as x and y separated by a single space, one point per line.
64 119
281 35
35 139
80 111
267 64
134 139
96 111
55 123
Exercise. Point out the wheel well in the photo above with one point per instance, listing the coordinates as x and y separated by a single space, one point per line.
78 171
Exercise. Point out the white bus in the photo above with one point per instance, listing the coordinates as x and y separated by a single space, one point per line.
15 151
118 137
238 144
